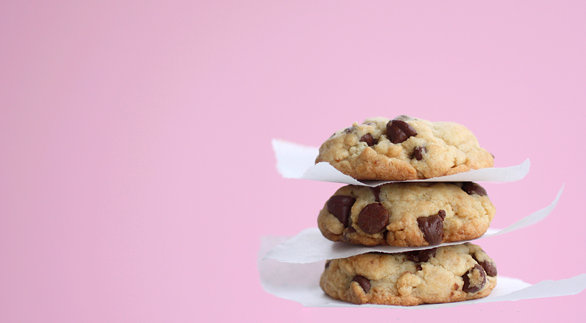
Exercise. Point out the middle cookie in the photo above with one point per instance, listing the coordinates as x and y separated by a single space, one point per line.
407 214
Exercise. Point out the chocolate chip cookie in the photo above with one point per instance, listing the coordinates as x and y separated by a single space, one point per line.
402 149
407 214
439 275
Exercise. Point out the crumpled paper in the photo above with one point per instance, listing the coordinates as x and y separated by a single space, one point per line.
297 161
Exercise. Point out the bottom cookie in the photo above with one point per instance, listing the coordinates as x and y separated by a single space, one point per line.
440 275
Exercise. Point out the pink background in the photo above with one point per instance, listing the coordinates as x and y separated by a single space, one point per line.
137 176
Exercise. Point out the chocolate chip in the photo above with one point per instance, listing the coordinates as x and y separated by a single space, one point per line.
349 129
432 227
340 206
421 255
473 188
418 267
489 267
363 282
412 255
478 279
373 218
376 193
419 152
328 263
369 140
399 130
351 230
424 255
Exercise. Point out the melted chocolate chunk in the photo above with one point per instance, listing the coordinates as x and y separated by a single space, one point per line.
432 227
476 282
399 131
373 218
340 206
421 255
369 140
419 152
328 263
376 193
363 282
473 188
489 268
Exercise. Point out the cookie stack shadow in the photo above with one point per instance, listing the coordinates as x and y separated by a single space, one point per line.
422 216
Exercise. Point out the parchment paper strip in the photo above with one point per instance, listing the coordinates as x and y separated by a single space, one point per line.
297 161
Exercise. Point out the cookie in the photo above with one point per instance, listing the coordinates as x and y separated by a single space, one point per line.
439 275
404 148
407 214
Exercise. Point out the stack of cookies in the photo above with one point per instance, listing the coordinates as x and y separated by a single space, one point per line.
407 214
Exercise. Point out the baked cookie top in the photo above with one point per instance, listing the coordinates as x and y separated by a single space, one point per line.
440 275
407 214
404 148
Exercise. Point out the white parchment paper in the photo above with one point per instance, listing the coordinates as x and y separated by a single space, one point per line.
297 161
300 283
310 245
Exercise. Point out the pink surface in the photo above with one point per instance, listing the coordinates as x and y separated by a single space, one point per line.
136 171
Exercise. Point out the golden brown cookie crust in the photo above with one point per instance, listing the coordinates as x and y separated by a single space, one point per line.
448 148
452 274
467 214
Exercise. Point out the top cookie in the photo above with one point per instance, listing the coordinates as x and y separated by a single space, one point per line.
404 148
